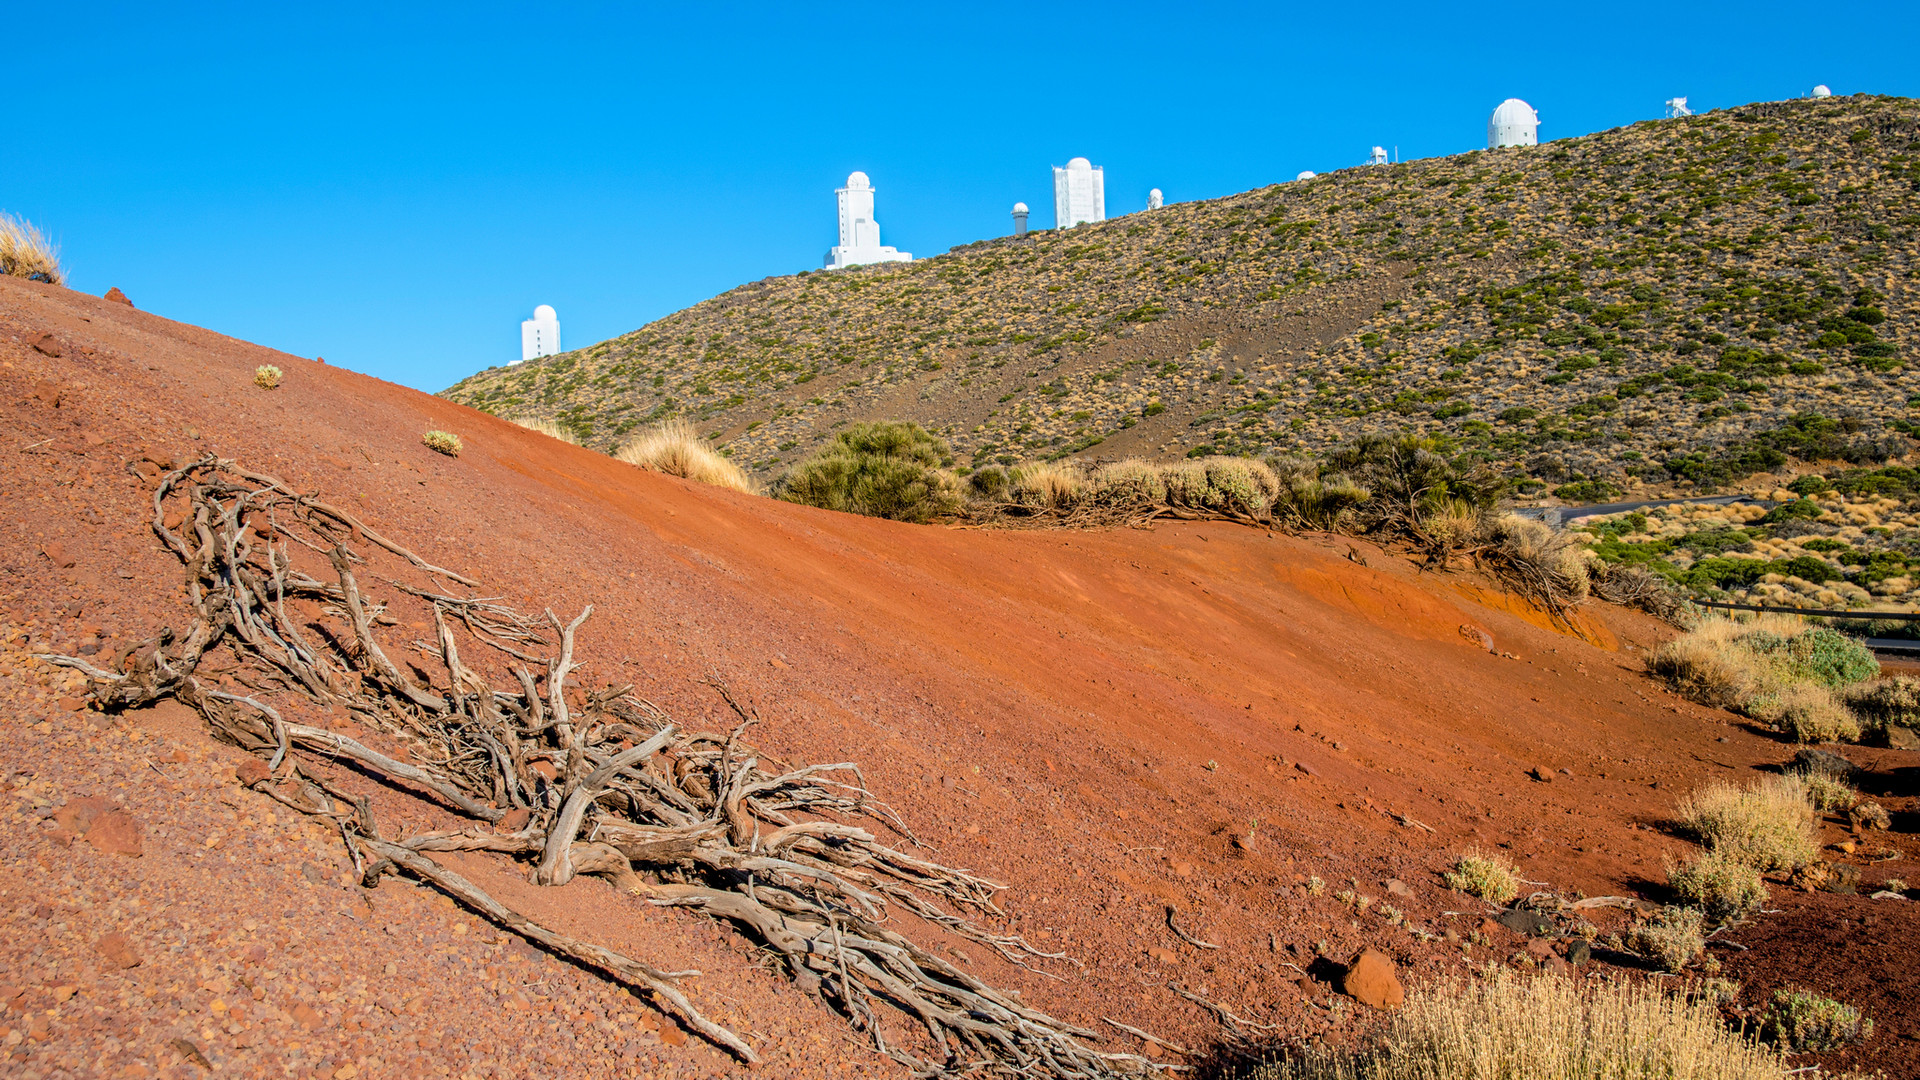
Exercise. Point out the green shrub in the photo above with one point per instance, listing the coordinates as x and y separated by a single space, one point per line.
1805 1022
1885 703
1672 938
266 376
883 469
442 442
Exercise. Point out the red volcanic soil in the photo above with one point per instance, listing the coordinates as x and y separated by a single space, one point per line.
1091 717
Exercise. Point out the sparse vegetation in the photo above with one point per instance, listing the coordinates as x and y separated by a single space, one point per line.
1543 1027
1767 825
676 449
1718 884
548 428
442 442
1804 1022
266 376
25 252
1885 703
1673 938
1774 668
1489 877
885 469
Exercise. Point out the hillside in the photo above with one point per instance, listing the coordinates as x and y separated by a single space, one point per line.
1199 716
1678 300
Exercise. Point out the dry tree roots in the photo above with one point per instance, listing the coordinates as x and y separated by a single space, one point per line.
568 782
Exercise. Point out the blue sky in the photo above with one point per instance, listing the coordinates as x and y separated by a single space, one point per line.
394 187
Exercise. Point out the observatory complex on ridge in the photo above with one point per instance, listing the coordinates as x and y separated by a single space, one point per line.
859 229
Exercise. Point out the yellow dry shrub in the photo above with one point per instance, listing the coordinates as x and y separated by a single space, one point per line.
1767 825
1811 713
1710 665
442 442
25 252
266 376
546 427
1050 485
676 449
1544 1027
1128 482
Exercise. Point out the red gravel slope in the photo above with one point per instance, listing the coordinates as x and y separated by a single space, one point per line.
1091 717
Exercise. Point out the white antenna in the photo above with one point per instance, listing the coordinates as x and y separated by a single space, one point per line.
1677 107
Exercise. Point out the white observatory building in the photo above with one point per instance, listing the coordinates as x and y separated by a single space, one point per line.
1514 123
1820 91
1155 200
540 335
859 230
1079 193
1019 219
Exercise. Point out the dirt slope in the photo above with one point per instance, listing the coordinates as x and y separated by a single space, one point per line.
1091 717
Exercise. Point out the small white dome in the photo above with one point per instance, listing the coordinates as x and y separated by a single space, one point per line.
858 180
1019 208
544 313
1080 163
1306 174
1822 91
1513 123
1155 194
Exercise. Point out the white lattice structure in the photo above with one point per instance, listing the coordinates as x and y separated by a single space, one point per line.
1513 123
1079 193
540 335
859 229
1677 108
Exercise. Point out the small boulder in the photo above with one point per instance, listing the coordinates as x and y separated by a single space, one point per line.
1373 979
78 815
1579 951
47 345
114 294
252 771
1398 889
1162 955
1815 762
1542 773
1902 737
56 554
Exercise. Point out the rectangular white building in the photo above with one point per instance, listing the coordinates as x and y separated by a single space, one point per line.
1079 193
859 229
540 335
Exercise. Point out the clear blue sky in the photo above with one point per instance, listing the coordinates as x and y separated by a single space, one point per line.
395 187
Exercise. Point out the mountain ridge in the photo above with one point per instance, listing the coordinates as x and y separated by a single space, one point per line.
1646 304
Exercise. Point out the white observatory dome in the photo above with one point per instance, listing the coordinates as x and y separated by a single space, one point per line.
1079 163
1514 123
1821 91
1306 174
1019 208
858 180
545 313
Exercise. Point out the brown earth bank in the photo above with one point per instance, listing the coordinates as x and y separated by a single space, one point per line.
1197 717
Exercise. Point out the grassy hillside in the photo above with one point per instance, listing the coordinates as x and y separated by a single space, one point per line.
1676 301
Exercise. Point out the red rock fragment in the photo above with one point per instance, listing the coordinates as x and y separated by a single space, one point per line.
1373 979
47 345
252 771
114 294
56 554
305 1015
117 950
78 815
116 833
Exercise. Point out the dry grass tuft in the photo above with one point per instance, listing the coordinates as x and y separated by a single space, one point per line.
1774 668
1811 713
1132 482
1049 486
1804 1022
545 427
1489 877
1722 886
442 442
266 376
25 252
1544 1028
1768 826
676 449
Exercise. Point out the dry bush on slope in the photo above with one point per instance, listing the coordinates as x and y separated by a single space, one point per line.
1722 886
25 252
676 449
1489 877
1768 825
1885 703
548 428
1544 1028
1543 562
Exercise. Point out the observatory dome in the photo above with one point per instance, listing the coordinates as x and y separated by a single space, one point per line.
1821 91
545 313
1514 123
1019 208
1079 163
858 180
1306 174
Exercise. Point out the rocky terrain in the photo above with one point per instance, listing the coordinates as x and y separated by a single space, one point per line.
1675 302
